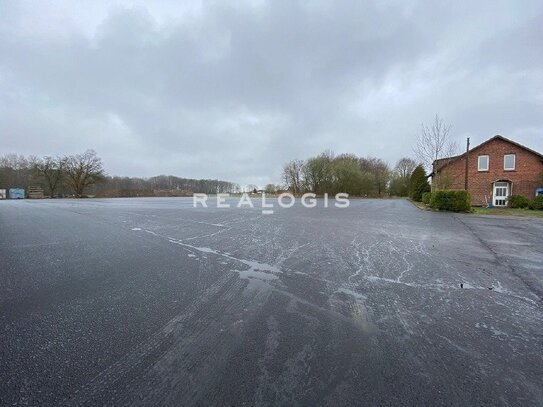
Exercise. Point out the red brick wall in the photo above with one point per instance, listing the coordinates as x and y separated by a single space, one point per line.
524 179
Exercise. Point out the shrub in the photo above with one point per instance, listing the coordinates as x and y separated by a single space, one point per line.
399 186
537 203
455 201
518 201
418 184
426 198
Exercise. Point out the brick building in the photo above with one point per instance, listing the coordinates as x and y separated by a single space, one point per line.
497 169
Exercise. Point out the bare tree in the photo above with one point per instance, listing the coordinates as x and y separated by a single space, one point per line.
271 189
51 170
83 170
251 188
16 170
434 143
293 175
399 182
405 167
379 171
14 161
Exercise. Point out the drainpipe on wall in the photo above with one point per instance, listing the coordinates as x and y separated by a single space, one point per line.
467 165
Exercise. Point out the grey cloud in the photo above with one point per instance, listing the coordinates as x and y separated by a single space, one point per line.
235 91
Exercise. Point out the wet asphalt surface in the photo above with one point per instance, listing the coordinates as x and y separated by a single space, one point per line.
153 302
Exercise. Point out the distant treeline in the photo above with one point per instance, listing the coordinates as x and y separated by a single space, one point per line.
357 176
167 182
83 174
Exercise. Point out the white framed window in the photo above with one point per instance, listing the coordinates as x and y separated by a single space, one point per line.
482 163
509 162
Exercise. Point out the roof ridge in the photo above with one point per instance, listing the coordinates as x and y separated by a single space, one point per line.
453 158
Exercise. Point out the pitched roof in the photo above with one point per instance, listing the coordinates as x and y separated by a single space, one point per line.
443 162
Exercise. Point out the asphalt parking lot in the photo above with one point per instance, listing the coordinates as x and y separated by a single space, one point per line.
154 302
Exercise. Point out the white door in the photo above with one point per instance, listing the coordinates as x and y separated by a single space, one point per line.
501 192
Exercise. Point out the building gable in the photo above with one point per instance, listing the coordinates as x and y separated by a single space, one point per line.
443 162
523 179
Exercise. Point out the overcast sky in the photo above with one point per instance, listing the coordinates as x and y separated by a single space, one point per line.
233 90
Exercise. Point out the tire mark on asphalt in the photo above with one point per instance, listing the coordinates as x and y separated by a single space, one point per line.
156 346
498 260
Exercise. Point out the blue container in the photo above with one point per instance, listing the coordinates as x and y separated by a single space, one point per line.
16 193
539 192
